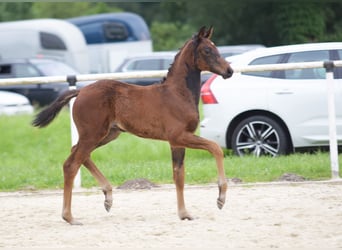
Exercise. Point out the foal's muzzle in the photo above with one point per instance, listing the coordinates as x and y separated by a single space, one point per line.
228 73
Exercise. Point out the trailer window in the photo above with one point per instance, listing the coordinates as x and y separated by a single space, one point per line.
115 32
51 41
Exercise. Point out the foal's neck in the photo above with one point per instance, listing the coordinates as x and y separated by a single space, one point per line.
186 75
193 82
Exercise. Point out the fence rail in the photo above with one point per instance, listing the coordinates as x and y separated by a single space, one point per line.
159 73
82 78
328 65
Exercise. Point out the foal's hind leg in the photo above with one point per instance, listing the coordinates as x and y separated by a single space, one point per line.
103 182
80 154
178 177
70 168
101 179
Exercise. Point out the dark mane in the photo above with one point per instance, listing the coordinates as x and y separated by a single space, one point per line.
162 80
194 77
171 68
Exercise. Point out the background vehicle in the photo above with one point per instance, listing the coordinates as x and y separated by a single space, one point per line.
111 37
231 50
148 61
273 112
13 104
44 38
41 94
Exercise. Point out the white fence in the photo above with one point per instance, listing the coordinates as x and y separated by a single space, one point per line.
329 65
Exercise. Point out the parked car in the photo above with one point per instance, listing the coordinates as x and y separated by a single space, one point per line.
231 50
41 94
13 104
273 112
147 62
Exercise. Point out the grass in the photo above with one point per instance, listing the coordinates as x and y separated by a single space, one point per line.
32 158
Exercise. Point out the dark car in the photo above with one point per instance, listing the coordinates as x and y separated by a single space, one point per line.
41 94
147 62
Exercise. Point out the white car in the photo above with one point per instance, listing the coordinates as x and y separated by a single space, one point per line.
232 50
273 112
13 104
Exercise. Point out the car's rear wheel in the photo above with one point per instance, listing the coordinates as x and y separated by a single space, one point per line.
259 135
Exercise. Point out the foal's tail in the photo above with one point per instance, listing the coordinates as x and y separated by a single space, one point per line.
46 116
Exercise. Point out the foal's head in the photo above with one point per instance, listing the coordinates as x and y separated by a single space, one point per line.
206 55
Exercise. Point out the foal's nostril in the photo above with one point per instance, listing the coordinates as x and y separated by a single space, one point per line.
230 72
227 72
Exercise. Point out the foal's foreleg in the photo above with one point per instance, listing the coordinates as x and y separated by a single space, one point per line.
217 152
178 177
192 141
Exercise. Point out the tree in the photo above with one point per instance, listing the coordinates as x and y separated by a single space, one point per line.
295 24
169 36
333 24
70 9
15 11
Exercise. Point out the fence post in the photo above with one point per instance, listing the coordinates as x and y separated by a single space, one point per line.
74 134
329 68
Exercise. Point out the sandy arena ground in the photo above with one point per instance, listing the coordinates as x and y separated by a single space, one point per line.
305 215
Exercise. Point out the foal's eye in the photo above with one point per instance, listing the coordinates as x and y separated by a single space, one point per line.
207 50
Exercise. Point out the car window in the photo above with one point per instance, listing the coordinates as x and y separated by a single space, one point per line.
51 41
226 54
167 63
338 70
264 60
55 68
308 56
5 70
339 52
25 70
115 32
148 64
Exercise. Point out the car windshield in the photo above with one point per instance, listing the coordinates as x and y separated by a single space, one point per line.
55 69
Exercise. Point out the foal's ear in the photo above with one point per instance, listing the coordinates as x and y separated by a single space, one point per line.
205 33
202 32
209 32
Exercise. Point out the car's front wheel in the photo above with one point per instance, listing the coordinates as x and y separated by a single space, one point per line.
259 135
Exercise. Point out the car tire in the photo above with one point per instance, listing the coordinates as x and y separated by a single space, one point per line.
258 136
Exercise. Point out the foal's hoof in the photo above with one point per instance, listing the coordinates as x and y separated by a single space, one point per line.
108 204
222 195
189 217
220 203
72 221
75 223
185 216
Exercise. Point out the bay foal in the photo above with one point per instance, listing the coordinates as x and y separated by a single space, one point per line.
166 111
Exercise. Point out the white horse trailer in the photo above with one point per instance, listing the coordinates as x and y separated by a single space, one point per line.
44 38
